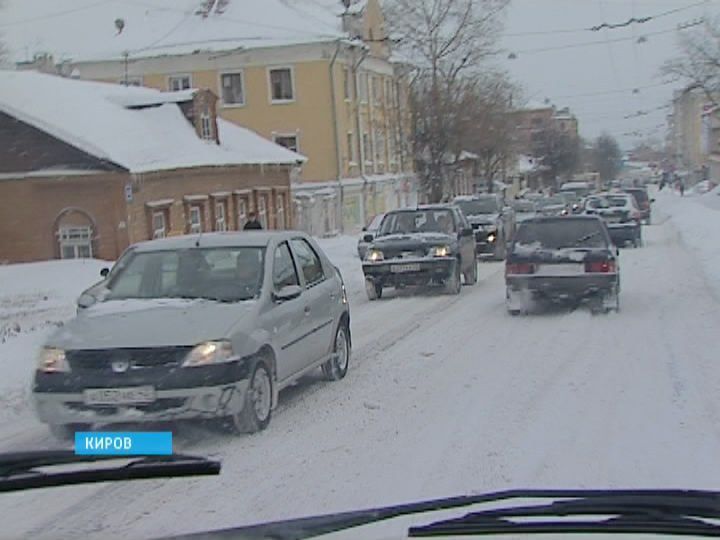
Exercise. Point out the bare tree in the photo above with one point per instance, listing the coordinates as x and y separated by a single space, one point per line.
699 65
607 156
558 151
447 40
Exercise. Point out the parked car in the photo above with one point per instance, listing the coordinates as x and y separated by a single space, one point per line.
492 222
368 234
209 326
553 205
562 259
523 209
578 189
643 201
620 213
428 245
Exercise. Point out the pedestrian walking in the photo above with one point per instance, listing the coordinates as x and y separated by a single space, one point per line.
253 224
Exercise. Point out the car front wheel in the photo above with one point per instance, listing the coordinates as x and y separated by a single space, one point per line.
257 408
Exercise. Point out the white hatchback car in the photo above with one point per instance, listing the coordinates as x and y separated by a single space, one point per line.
209 326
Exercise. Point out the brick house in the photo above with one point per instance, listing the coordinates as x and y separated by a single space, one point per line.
88 168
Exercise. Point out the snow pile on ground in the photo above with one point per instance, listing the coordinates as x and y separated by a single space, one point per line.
697 220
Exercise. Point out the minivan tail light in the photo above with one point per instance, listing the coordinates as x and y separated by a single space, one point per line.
600 267
513 269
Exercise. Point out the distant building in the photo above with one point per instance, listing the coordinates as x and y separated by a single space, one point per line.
88 168
534 118
688 135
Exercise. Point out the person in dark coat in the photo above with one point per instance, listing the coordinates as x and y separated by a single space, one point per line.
253 224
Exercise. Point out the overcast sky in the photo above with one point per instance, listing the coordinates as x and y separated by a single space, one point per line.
610 69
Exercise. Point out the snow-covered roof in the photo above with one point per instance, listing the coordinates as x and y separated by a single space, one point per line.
81 30
93 117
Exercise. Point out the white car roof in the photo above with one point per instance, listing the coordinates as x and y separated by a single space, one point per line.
218 239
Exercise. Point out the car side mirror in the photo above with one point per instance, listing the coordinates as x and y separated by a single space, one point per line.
364 229
289 292
368 238
104 272
652 200
617 251
86 300
466 232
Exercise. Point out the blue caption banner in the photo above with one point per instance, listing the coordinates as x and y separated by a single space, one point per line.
113 443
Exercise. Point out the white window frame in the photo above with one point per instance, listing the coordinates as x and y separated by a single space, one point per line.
85 241
295 135
242 211
291 69
206 132
242 84
195 228
178 76
159 232
262 210
220 217
367 151
280 210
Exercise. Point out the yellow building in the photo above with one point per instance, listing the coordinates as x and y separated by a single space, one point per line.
313 76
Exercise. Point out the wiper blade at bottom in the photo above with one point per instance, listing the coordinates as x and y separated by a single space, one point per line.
18 471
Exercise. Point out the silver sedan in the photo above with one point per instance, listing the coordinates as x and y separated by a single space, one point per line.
209 326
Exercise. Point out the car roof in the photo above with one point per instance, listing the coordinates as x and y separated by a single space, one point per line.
436 206
217 239
563 219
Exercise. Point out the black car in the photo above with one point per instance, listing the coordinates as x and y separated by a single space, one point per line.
562 259
428 245
492 222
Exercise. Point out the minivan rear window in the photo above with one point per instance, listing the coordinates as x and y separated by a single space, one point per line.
561 233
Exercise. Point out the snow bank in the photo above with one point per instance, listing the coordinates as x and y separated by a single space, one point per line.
697 220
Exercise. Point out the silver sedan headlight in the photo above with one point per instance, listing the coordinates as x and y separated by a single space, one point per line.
374 255
208 353
51 360
440 251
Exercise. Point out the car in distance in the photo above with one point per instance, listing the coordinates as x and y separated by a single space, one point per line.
368 234
552 205
427 245
209 326
620 213
562 259
492 222
643 201
523 209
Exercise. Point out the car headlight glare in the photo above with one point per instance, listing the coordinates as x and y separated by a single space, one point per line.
52 360
440 251
374 255
208 353
491 237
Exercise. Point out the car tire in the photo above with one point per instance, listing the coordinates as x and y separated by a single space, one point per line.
453 283
374 290
336 368
472 278
257 408
66 432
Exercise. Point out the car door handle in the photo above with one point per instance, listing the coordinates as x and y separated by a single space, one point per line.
307 310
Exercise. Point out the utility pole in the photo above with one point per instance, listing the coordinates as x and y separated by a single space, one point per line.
126 54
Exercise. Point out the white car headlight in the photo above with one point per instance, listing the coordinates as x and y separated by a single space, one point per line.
491 237
210 352
440 251
52 360
374 255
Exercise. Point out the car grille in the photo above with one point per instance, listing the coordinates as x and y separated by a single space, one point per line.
405 254
101 360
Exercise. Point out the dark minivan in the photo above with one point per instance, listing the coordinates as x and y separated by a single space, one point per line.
562 260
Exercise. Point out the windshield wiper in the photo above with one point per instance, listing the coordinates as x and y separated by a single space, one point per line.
624 512
22 470
660 510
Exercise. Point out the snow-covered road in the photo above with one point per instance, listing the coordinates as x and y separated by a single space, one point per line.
445 396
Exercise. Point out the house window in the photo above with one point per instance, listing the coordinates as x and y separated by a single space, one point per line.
206 127
262 211
242 210
280 210
75 242
281 85
288 141
363 87
233 90
367 151
351 148
195 221
220 224
347 93
388 91
158 225
376 89
379 147
178 82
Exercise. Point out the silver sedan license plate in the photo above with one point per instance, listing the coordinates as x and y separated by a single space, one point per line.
119 396
400 268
